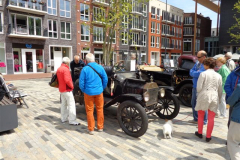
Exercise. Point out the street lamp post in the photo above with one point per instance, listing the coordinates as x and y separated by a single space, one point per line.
166 16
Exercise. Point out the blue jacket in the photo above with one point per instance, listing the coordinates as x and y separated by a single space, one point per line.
234 101
90 83
195 72
231 82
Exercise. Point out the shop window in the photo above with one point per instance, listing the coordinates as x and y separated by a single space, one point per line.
39 60
17 55
2 59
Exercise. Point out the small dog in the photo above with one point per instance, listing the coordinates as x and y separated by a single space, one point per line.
168 129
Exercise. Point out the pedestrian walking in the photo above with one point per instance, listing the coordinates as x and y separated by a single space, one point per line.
68 108
230 63
93 80
209 90
231 83
224 72
233 138
197 69
77 62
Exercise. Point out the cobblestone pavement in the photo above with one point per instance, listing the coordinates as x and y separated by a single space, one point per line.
41 135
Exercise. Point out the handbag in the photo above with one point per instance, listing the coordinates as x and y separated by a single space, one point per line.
95 71
54 81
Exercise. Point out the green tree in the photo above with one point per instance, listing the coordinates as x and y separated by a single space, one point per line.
110 16
235 28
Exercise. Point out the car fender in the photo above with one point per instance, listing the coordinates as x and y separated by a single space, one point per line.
169 88
177 88
124 97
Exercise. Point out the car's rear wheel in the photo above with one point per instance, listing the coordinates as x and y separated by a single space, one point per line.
132 118
185 94
170 106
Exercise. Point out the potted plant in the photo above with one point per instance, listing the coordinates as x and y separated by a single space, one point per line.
41 2
34 1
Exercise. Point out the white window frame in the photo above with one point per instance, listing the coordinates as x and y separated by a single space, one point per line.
125 21
144 25
135 22
65 31
1 3
51 7
144 10
84 15
51 21
135 38
64 10
2 23
152 41
187 40
86 27
158 13
144 40
158 28
180 33
114 38
98 31
173 30
124 38
157 41
153 26
99 11
153 15
180 45
187 30
176 44
173 43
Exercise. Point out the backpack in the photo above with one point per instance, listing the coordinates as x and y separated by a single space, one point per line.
54 81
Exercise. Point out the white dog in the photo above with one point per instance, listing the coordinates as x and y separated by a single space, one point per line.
168 129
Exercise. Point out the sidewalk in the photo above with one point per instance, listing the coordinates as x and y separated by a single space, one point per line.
12 77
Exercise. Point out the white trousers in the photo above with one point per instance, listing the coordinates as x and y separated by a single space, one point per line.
68 108
233 140
222 106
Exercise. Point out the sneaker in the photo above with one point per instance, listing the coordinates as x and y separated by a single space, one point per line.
74 123
192 121
198 135
100 130
91 132
208 139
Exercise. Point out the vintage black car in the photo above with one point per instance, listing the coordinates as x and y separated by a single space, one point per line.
135 99
178 78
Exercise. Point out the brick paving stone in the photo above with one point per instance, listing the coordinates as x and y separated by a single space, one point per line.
41 135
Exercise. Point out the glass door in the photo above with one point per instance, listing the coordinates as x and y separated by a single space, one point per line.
29 60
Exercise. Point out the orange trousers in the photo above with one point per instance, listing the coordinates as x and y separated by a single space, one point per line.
89 105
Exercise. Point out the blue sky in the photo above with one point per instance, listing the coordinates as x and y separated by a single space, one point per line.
189 6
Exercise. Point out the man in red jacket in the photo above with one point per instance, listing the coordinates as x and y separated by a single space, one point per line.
68 108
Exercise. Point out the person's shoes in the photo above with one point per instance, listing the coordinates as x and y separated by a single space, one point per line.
199 135
91 132
74 123
63 121
192 121
100 130
208 139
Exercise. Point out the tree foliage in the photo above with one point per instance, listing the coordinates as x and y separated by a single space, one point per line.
235 28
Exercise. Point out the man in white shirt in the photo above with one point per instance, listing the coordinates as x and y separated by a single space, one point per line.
230 63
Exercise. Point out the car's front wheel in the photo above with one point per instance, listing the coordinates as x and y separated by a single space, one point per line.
169 106
185 94
132 118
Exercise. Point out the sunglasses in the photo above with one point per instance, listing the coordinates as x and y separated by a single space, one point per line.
200 57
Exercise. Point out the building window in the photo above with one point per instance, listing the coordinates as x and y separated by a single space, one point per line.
198 22
153 27
158 14
135 22
153 12
152 41
180 44
173 31
84 12
187 43
65 30
52 29
144 10
157 42
165 29
173 43
180 20
188 20
197 48
125 21
84 52
165 43
180 33
188 31
124 38
114 38
85 33
176 44
0 2
135 38
144 40
177 18
98 13
158 28
52 7
1 22
144 25
98 34
198 32
65 8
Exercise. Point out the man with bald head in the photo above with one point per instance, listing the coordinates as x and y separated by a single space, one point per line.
197 69
77 62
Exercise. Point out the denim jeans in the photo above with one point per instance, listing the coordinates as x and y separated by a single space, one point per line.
193 102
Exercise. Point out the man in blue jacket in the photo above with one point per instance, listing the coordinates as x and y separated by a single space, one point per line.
233 139
231 83
93 80
195 72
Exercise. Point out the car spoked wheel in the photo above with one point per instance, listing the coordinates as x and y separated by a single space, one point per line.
170 106
185 94
132 118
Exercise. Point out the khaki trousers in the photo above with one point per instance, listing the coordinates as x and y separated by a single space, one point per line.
89 105
233 140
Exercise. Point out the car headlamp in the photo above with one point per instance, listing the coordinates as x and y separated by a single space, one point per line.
146 96
162 92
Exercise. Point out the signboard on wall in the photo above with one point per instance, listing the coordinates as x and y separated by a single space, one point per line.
24 45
